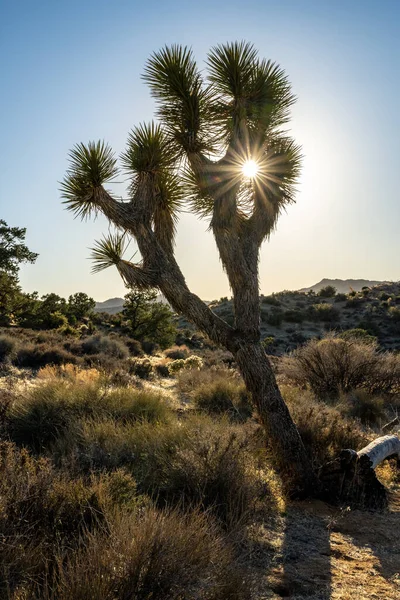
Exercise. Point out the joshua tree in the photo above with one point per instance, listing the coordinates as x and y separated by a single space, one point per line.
220 148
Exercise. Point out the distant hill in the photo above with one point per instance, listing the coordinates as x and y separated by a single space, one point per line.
112 306
343 286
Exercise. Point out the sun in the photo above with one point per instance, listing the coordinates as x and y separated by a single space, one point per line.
250 169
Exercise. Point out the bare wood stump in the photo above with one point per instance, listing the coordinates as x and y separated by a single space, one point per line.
352 479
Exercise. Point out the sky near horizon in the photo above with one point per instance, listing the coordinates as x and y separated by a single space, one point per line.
70 71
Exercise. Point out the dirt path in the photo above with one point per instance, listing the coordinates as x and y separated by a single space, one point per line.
314 552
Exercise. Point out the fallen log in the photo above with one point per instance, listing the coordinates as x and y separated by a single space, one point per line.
352 478
380 449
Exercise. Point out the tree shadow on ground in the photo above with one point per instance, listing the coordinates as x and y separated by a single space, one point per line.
306 553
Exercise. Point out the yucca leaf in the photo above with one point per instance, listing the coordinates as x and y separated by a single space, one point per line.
108 252
90 167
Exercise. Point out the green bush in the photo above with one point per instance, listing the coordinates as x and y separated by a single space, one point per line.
358 335
177 352
271 300
328 291
294 316
141 367
324 312
42 512
340 297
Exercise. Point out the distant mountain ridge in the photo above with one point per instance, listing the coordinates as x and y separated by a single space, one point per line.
343 286
112 306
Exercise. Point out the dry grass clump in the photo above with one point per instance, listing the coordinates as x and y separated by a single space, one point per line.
364 406
189 381
198 461
41 512
323 429
334 365
161 555
54 408
224 396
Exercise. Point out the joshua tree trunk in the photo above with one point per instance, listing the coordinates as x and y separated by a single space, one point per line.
289 453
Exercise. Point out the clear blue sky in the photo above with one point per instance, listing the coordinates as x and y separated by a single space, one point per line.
70 72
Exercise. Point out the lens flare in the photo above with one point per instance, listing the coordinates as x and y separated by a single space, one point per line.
250 169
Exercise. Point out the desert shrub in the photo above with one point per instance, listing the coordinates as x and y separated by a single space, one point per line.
160 555
335 365
177 352
97 344
340 297
150 347
272 300
191 362
161 368
36 356
7 347
198 461
134 346
294 316
394 313
189 381
328 291
324 312
384 296
359 335
362 405
274 318
141 367
52 410
41 512
268 341
120 488
323 429
354 301
224 396
330 365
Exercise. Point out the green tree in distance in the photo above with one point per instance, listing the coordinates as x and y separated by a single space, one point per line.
220 149
80 305
149 320
13 251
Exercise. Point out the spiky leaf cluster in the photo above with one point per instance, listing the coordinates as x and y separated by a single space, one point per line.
108 252
184 103
208 128
90 167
